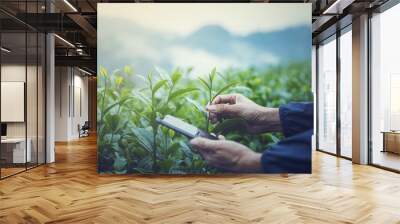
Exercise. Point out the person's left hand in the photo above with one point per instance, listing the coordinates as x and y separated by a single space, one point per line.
228 155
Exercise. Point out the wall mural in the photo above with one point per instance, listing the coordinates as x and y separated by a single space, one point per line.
204 88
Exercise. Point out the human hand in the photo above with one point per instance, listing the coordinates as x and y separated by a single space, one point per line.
258 119
228 155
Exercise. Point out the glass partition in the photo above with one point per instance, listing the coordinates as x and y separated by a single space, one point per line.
385 89
22 67
32 96
35 87
14 153
346 93
41 97
327 95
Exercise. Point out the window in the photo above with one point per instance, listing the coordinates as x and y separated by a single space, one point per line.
327 96
346 92
385 89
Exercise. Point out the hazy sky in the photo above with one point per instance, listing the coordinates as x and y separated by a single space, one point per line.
238 18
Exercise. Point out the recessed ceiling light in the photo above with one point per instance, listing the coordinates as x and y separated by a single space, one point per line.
5 50
84 71
337 7
70 5
65 41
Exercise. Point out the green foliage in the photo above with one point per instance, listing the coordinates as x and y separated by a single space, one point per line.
131 141
211 89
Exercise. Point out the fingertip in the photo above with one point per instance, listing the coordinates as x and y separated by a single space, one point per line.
198 141
216 100
211 108
194 141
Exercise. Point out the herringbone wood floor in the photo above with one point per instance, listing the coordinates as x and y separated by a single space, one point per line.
70 191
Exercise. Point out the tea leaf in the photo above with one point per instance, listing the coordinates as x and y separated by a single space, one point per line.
145 163
204 83
144 138
103 71
212 74
189 70
120 163
143 89
185 148
163 74
171 133
166 164
223 89
142 97
176 76
113 121
140 170
121 102
119 80
243 90
274 138
197 105
173 147
229 125
150 79
128 70
158 85
181 92
141 77
222 76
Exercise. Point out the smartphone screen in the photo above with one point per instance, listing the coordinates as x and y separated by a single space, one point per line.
179 125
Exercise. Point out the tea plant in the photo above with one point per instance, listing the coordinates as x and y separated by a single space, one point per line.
131 141
113 97
158 106
210 91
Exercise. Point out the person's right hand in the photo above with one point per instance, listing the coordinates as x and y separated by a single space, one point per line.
228 155
258 119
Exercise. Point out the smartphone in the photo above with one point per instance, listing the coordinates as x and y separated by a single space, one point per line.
184 128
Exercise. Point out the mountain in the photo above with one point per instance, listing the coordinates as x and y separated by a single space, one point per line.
212 38
121 42
287 44
291 43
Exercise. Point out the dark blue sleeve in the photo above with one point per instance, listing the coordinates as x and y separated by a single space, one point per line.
296 118
291 155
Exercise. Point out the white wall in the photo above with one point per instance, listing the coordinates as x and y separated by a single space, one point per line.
13 100
62 81
82 83
33 127
70 83
12 73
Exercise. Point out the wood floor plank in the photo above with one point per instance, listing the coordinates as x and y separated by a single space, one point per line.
71 191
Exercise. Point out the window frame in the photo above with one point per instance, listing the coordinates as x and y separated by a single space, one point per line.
381 9
333 37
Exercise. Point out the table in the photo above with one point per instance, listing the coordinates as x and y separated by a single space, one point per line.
13 150
391 141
